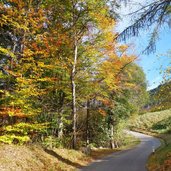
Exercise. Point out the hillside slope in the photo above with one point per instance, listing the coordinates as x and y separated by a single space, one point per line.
35 158
158 124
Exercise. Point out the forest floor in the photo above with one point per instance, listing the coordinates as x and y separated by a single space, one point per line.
36 158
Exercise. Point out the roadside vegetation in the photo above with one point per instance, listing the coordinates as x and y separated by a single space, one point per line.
66 83
65 80
157 124
35 157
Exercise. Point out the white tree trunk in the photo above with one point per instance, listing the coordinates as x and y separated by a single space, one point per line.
74 110
112 145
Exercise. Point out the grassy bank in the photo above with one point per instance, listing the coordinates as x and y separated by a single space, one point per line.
161 160
36 158
157 124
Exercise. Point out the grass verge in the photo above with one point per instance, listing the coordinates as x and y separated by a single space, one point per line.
35 158
161 159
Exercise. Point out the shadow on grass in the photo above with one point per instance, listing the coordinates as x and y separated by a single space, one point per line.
52 153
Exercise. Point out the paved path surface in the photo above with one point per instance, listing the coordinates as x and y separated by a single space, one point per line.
129 160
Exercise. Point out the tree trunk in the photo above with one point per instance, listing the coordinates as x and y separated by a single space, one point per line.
74 111
61 126
112 145
60 113
87 123
116 144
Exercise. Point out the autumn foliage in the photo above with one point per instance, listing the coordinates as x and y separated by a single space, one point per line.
54 63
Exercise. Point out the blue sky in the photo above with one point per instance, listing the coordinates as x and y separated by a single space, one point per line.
155 63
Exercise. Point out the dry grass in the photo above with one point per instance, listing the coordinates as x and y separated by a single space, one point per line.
24 158
35 158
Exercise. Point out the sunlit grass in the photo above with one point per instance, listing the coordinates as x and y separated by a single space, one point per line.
161 160
157 124
57 159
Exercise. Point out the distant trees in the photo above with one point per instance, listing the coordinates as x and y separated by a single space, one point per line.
160 97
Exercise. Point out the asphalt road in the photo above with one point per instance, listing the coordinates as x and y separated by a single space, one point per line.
129 160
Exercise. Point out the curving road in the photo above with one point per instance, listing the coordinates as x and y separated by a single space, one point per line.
129 160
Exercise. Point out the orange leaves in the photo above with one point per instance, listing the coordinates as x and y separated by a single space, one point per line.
102 112
19 3
11 111
106 102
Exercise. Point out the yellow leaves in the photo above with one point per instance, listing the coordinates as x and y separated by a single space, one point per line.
129 85
13 73
104 22
41 64
12 111
112 68
19 3
123 48
47 79
7 52
12 21
24 81
45 66
27 53
21 18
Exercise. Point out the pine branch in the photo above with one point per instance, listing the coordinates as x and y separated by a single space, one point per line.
155 13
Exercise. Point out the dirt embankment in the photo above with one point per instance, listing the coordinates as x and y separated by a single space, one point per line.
35 158
25 158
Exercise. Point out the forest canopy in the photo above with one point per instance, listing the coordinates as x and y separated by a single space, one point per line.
63 76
